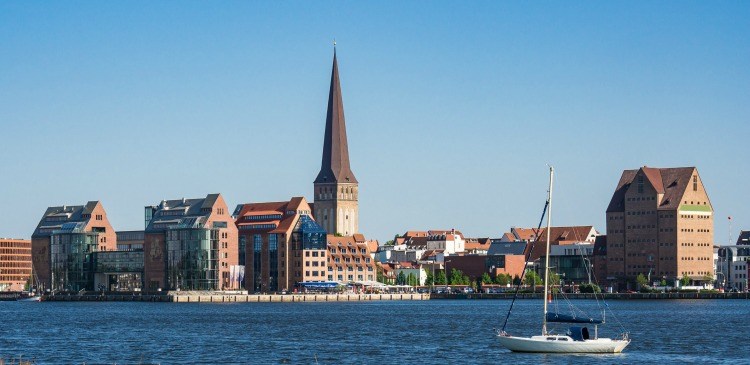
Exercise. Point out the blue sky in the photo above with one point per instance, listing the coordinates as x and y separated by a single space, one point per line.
453 108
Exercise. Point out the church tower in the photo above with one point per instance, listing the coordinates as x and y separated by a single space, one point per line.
336 190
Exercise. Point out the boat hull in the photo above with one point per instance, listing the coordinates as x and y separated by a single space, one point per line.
562 344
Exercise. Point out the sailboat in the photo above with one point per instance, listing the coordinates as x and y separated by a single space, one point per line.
578 339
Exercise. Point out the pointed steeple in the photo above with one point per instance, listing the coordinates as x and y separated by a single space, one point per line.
334 167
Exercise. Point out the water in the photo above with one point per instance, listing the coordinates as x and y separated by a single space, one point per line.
437 331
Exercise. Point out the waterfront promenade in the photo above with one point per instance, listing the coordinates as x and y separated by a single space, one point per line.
198 297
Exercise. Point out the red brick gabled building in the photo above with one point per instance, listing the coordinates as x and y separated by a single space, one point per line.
283 245
65 223
660 224
190 244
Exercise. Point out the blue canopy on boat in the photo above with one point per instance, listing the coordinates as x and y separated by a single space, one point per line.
566 318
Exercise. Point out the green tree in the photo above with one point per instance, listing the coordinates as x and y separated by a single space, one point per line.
503 279
401 279
641 280
430 279
516 280
458 277
337 234
663 282
440 278
380 277
531 278
486 278
589 288
411 279
685 281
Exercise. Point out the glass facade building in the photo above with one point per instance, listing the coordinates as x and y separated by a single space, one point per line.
192 259
308 235
71 258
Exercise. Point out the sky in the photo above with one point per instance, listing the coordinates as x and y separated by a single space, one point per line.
453 109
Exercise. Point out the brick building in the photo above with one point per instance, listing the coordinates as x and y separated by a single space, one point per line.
350 258
659 224
283 245
336 190
15 263
190 244
63 241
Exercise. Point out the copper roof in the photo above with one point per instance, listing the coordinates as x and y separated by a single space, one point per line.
334 166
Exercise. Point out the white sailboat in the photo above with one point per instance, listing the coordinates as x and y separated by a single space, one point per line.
577 339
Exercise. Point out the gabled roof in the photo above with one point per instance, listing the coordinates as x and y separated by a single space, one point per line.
55 217
671 182
283 223
334 165
187 212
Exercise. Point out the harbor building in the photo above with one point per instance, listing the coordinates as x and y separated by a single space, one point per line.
190 244
15 263
559 236
733 264
336 190
659 224
283 245
130 240
63 242
351 258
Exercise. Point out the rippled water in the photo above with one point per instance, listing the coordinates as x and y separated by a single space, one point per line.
437 331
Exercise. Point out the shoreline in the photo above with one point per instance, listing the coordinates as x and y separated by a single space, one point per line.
208 297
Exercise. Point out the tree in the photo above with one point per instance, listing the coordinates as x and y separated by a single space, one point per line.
516 280
503 279
486 278
458 277
708 278
411 279
380 276
440 278
589 288
531 278
663 282
337 234
430 279
685 281
641 280
401 279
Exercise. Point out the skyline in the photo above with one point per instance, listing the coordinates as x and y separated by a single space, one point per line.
458 104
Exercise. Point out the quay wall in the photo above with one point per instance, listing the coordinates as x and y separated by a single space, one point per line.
195 297
607 296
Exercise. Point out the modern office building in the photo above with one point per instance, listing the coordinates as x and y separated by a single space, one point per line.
63 243
15 264
130 240
283 245
660 224
190 244
336 190
351 259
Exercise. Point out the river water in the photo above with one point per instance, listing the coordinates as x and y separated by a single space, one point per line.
436 331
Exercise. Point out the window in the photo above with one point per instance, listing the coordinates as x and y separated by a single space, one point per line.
695 183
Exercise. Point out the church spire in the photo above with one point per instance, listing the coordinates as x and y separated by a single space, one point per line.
334 167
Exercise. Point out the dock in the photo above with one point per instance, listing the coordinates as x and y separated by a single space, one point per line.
196 297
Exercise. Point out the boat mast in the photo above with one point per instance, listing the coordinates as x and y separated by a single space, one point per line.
546 255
